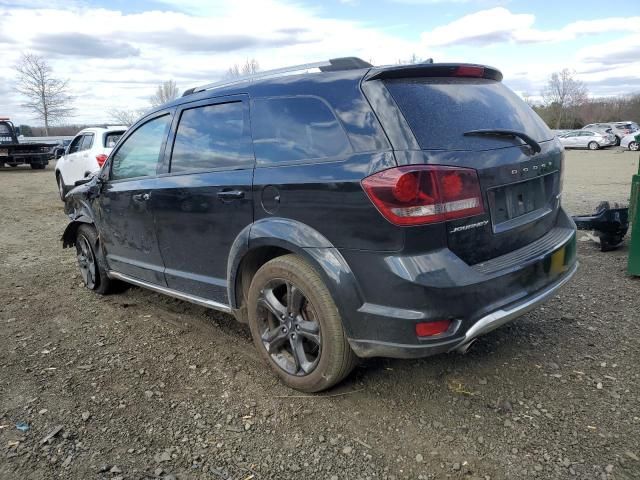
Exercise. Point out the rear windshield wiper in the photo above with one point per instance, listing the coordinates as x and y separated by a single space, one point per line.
507 133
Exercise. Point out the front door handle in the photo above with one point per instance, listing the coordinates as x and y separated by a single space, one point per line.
141 197
230 194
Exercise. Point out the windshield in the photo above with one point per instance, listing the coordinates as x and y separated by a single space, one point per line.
441 110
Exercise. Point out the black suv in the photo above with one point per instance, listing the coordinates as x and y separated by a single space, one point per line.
354 211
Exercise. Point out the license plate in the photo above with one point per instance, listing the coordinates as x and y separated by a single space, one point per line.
512 201
4 152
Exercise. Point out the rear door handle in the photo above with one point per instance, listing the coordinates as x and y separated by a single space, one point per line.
141 197
230 194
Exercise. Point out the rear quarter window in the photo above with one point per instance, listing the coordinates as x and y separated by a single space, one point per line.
111 138
296 129
440 110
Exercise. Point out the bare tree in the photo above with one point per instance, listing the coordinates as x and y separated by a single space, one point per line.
564 94
165 92
527 99
46 96
412 60
249 67
125 117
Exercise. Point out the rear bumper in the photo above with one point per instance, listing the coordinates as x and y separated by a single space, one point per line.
476 298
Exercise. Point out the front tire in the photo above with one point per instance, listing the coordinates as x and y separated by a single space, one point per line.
92 267
296 326
38 166
593 146
634 147
62 188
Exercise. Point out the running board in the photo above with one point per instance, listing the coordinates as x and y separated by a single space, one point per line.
170 292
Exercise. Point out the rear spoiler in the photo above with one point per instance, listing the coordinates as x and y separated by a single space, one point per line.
465 70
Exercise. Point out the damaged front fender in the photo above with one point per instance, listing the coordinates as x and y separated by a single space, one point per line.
78 216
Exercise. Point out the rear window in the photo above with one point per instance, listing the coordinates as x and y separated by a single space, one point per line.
294 129
111 138
441 110
626 126
4 129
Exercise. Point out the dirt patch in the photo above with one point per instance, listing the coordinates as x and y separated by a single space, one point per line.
137 385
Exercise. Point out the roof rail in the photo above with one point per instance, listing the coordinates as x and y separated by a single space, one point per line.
332 65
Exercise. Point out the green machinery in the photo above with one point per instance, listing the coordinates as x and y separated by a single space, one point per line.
634 217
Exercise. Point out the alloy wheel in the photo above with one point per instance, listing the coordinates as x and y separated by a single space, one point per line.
86 262
289 327
633 146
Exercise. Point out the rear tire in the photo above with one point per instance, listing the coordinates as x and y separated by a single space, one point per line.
593 146
38 166
296 326
633 146
91 261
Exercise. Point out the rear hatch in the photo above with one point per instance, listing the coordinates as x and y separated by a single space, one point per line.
464 121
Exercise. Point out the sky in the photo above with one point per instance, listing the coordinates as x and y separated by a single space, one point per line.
115 52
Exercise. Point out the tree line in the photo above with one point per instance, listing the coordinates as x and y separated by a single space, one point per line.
565 99
566 104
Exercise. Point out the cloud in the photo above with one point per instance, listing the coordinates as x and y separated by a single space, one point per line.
625 81
434 2
498 25
623 51
480 28
83 45
192 42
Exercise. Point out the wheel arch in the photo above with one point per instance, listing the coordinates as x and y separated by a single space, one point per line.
81 215
272 237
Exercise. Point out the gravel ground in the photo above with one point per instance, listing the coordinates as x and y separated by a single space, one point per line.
137 386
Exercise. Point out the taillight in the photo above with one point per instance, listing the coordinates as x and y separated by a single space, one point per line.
429 329
101 159
420 194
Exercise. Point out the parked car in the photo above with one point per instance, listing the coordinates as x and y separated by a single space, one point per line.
619 129
593 140
85 155
353 212
631 141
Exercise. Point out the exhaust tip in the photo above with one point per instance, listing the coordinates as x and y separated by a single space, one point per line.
465 348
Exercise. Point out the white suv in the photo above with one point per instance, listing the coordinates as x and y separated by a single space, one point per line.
86 154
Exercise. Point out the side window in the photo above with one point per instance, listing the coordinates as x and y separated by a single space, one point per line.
139 154
87 141
293 129
111 138
586 134
212 136
75 144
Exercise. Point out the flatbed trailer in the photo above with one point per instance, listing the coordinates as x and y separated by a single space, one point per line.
14 153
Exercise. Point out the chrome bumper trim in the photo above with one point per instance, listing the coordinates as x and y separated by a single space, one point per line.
505 315
170 292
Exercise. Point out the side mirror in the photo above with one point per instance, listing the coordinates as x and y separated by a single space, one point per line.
82 181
